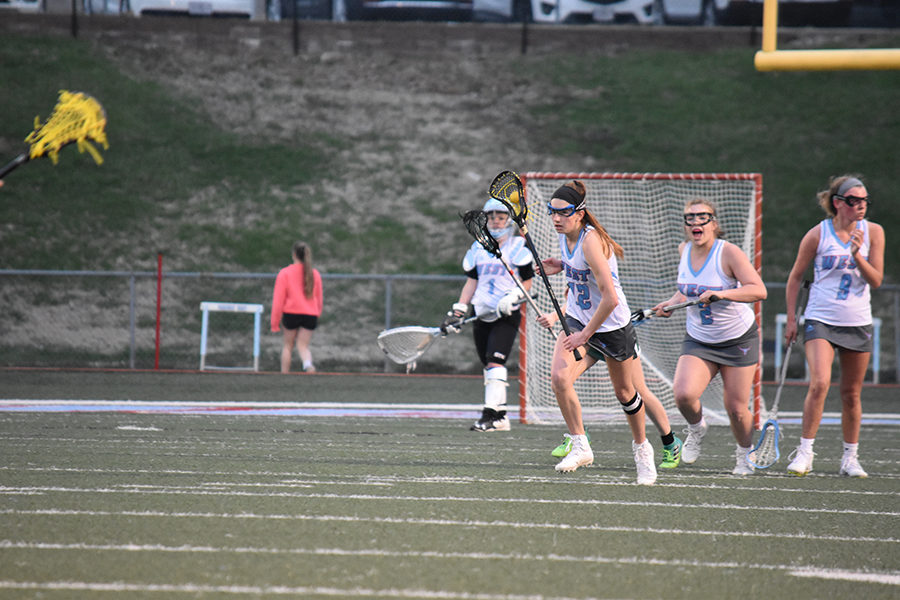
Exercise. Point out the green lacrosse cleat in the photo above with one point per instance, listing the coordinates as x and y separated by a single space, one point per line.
563 449
671 455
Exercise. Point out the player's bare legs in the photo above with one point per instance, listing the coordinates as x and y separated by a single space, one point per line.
819 355
737 382
304 336
288 339
853 371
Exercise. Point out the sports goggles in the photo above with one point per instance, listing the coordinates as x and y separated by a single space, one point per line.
701 218
854 200
566 211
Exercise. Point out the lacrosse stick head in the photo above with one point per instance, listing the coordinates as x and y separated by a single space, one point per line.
404 345
508 189
476 224
766 452
76 118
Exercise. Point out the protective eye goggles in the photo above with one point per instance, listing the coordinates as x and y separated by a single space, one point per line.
566 211
854 200
698 218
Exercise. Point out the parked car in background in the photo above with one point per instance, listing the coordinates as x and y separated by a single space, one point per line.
644 12
320 10
21 5
409 10
829 13
200 8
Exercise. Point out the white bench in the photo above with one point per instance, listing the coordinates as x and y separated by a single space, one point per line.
234 307
781 321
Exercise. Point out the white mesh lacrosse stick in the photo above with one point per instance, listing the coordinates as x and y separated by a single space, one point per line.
766 453
404 345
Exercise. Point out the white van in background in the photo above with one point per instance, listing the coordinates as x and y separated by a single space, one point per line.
643 12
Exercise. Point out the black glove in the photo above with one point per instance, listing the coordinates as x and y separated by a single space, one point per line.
454 318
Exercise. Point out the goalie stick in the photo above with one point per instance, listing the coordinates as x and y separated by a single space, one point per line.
508 189
639 316
766 453
76 118
404 345
476 224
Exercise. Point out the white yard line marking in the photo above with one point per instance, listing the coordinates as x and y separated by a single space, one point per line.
843 575
266 590
889 578
194 491
451 523
589 479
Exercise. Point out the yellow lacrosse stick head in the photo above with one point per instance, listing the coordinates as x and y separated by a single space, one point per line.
76 118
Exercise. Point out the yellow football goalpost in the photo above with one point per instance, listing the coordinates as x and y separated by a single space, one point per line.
772 59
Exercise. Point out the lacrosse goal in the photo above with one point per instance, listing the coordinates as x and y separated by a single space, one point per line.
643 213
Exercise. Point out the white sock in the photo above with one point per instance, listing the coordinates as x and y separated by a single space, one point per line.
698 425
307 364
495 388
807 443
580 439
850 449
744 450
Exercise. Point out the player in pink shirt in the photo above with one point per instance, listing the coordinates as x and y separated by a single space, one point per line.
297 305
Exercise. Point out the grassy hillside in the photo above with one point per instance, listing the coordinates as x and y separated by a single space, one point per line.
175 178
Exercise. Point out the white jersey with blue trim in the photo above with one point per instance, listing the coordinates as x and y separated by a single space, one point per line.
583 294
839 295
716 322
493 280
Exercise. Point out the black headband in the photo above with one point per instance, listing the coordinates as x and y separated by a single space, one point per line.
571 196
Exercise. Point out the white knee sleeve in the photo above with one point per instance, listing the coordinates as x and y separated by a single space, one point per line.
495 388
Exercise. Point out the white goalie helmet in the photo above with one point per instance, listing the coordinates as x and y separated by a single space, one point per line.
494 205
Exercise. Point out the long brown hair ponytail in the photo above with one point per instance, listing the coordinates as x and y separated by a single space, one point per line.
580 191
304 254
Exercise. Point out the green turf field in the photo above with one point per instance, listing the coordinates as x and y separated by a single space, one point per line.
132 505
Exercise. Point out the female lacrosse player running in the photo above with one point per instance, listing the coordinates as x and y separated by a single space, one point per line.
848 255
598 316
722 335
496 299
297 305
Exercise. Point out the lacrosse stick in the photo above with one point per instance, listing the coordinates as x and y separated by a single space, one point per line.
507 188
766 453
75 119
640 316
404 345
476 223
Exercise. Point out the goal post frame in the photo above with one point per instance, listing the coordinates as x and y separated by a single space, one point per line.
754 230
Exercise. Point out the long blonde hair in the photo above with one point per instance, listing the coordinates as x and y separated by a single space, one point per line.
825 196
591 220
303 253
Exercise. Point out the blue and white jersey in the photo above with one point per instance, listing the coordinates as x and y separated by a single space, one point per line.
493 280
839 295
584 296
719 321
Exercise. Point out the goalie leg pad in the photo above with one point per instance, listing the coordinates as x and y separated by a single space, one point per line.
495 388
634 406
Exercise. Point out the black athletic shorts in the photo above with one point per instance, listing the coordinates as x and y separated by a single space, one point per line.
618 344
291 321
494 340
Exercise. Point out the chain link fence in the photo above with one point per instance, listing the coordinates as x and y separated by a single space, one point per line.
108 319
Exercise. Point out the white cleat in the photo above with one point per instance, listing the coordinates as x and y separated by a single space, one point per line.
743 466
850 467
801 462
692 443
581 455
643 460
